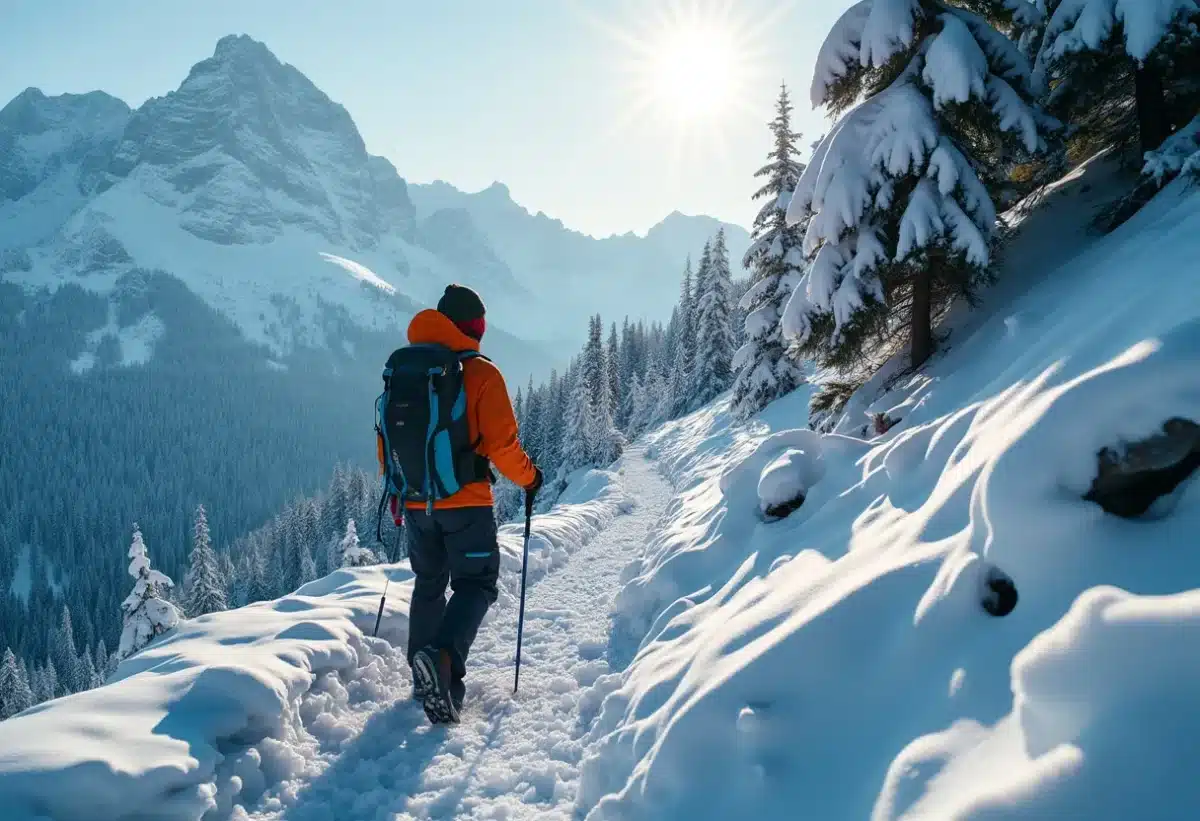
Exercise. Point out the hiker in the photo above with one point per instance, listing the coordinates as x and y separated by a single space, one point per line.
445 417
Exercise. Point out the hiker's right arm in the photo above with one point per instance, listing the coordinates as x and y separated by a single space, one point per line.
498 432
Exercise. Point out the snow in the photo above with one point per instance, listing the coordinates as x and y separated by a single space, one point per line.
956 68
791 475
837 663
136 342
1079 25
1179 154
292 707
360 272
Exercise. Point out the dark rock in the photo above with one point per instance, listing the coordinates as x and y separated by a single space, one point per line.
1131 477
1000 593
882 423
784 509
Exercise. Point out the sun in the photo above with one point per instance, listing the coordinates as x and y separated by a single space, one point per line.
688 72
695 71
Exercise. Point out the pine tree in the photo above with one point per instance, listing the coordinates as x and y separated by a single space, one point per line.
612 367
636 408
65 656
89 678
204 589
352 553
147 614
576 431
48 686
685 331
714 334
1121 72
531 427
625 374
606 439
258 585
15 693
102 660
764 370
901 193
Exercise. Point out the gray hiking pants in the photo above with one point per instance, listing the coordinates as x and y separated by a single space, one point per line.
457 547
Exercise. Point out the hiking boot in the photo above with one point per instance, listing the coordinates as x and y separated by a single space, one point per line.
431 672
419 690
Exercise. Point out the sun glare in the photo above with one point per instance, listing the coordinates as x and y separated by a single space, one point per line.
691 70
695 71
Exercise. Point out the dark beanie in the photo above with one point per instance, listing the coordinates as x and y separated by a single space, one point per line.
461 304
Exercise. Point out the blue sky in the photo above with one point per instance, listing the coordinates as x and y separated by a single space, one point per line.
540 94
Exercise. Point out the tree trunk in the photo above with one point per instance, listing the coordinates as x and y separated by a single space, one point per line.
1150 94
921 322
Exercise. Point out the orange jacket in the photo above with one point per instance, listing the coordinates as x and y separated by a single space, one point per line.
490 414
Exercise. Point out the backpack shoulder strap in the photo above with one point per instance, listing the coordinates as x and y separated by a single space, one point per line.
463 356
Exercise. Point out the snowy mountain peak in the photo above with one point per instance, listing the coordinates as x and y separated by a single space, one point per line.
247 146
238 47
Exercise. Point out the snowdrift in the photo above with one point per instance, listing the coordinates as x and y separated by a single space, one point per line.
837 663
222 708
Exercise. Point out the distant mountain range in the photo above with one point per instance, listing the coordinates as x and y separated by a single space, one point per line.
253 188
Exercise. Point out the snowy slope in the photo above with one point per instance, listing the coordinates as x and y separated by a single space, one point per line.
838 664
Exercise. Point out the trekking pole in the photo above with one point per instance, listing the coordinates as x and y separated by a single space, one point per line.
382 599
524 567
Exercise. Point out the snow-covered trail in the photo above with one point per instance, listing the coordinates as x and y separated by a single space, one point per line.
511 757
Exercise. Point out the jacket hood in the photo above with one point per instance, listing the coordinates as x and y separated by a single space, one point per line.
433 327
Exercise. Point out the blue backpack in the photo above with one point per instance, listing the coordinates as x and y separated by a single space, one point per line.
422 418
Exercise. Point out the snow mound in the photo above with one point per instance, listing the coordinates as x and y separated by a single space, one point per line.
788 478
839 663
233 708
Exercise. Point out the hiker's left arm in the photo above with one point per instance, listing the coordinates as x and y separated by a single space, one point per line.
498 432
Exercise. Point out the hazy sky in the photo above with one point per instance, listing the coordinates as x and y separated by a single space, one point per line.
607 114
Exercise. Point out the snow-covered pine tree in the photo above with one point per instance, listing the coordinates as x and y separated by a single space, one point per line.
612 366
530 425
635 408
47 686
676 391
901 193
102 660
685 331
593 356
713 371
553 419
308 567
1097 55
88 676
576 447
147 614
352 553
203 587
607 440
65 656
15 692
258 585
765 371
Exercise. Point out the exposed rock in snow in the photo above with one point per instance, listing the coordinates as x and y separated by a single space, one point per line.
1133 476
